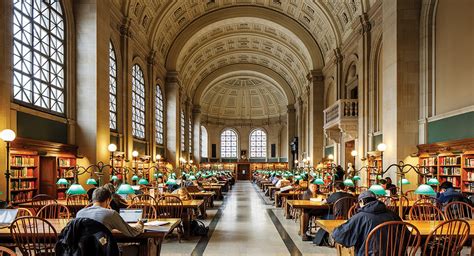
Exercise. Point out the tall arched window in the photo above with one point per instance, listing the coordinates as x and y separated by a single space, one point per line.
138 102
229 144
258 144
159 113
182 125
39 55
190 135
112 88
204 142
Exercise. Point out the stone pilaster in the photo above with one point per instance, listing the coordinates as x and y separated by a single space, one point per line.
316 119
291 123
197 133
173 107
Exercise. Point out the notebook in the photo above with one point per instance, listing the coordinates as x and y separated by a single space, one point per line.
7 216
131 215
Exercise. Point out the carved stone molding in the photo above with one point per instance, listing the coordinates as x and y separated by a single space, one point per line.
350 128
333 134
365 23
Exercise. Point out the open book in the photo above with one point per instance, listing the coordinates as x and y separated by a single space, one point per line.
155 225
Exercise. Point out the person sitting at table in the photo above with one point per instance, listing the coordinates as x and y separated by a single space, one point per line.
90 191
447 194
276 178
182 193
372 213
390 186
282 182
117 202
110 218
311 192
340 193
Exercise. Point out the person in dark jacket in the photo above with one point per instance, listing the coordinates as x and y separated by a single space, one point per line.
354 232
447 193
340 193
117 201
84 236
390 186
339 175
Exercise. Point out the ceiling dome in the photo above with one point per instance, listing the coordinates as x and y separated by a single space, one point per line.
243 98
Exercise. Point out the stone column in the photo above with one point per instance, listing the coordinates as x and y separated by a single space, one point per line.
299 125
173 106
291 128
400 79
92 65
150 103
124 97
197 133
316 107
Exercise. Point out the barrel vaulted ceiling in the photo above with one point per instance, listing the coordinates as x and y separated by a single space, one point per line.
283 39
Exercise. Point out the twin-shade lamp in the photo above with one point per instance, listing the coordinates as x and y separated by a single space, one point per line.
8 136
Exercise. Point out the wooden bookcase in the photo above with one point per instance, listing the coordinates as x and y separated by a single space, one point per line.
449 169
374 162
467 170
429 163
24 171
64 165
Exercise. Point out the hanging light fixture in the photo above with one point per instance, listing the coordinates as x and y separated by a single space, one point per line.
62 181
425 190
356 178
76 189
432 181
91 181
348 182
125 189
377 190
143 181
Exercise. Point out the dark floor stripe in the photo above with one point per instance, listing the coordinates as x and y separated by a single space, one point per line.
202 244
290 245
260 194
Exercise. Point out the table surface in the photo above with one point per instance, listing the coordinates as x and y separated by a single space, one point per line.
186 203
160 231
309 203
425 227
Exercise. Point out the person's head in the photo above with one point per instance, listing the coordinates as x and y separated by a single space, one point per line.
101 197
340 186
110 187
159 180
388 180
312 187
445 186
366 197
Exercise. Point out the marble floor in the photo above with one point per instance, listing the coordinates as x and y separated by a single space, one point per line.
243 225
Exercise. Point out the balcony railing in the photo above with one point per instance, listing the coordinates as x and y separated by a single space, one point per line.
345 109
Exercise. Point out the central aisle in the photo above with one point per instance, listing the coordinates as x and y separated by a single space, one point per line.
245 228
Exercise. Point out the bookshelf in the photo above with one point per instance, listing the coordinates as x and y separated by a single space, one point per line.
374 163
430 163
467 170
64 164
24 172
449 169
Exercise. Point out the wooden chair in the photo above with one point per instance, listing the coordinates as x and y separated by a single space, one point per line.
24 212
342 206
170 206
425 211
149 211
54 211
428 200
393 238
34 236
77 200
144 198
41 200
352 211
447 238
410 194
458 210
4 251
393 204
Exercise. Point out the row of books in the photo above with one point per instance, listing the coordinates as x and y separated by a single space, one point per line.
22 196
22 184
470 176
468 187
455 180
450 171
450 160
469 162
428 161
22 161
22 173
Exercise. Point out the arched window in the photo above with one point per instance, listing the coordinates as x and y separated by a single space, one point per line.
182 125
138 102
39 55
258 144
190 135
159 113
204 142
112 88
229 144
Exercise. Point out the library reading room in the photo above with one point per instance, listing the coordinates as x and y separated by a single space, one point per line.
237 127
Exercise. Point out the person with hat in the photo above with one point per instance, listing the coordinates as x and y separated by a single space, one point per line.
372 213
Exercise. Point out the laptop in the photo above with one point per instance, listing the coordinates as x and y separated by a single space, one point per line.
131 215
7 216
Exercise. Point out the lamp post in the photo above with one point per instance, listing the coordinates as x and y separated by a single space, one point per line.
381 147
112 148
354 154
8 136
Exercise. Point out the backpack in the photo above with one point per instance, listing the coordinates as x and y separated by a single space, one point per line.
198 228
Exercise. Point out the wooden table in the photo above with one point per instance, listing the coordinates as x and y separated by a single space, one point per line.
150 241
189 206
317 208
272 191
425 227
207 196
263 182
280 195
214 188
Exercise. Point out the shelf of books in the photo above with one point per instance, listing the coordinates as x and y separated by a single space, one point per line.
449 169
64 166
374 164
24 173
467 167
428 164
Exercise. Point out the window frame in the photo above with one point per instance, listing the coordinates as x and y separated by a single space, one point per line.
112 50
142 97
222 152
258 149
159 99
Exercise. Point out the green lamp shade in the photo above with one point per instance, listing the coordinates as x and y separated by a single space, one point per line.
349 183
143 181
405 182
91 182
155 175
425 190
125 189
192 177
134 177
356 178
318 181
433 181
114 178
298 177
76 189
62 181
377 190
171 181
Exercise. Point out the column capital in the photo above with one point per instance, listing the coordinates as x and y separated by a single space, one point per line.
124 28
290 108
197 109
315 75
151 58
338 57
365 24
172 77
